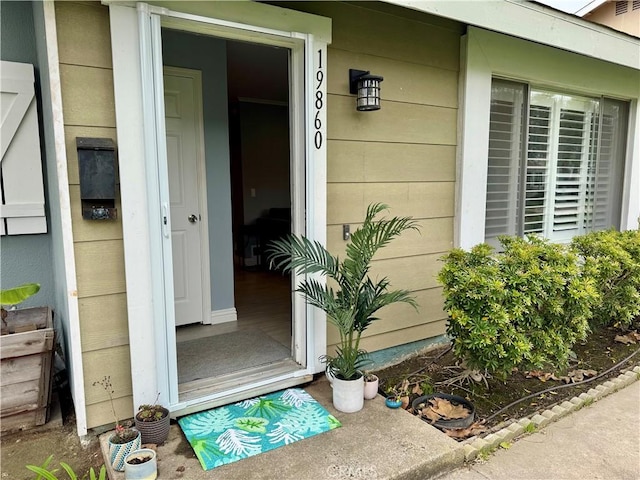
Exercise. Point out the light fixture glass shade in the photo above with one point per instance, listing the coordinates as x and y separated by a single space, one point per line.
367 89
368 94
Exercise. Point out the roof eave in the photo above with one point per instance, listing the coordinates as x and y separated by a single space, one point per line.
537 23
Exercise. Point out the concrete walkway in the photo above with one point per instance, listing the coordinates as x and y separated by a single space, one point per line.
374 443
600 441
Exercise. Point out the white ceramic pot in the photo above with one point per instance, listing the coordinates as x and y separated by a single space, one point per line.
371 389
348 395
141 471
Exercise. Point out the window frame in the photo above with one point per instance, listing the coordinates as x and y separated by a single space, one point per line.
564 214
485 55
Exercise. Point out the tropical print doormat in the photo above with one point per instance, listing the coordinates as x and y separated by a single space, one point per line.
244 429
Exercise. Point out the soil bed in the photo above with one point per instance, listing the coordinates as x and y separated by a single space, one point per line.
32 447
599 352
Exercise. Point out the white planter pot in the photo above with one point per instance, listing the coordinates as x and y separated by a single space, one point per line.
141 471
348 395
329 375
371 389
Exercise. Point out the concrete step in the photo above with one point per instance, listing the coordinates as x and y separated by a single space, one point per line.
374 443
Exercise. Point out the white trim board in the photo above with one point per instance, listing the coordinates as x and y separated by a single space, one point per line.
223 316
136 55
76 374
539 24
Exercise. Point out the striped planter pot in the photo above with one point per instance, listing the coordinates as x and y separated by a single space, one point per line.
119 451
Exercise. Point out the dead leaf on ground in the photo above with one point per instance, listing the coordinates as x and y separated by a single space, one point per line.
540 375
447 410
474 429
416 389
629 338
429 414
578 375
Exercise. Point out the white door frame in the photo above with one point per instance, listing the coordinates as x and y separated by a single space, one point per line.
146 223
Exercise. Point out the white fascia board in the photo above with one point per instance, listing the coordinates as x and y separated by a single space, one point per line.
539 24
590 7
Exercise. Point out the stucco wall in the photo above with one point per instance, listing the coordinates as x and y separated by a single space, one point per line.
24 258
628 22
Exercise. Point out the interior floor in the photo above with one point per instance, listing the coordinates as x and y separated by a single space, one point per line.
263 305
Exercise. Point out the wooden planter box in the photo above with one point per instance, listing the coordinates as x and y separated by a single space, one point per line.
26 361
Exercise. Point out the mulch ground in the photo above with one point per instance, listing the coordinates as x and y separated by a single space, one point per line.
599 352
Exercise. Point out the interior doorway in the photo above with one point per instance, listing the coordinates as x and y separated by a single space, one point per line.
245 328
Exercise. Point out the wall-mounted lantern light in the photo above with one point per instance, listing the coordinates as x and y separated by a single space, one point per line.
367 87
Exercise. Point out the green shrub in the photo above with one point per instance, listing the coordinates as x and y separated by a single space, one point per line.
526 306
612 259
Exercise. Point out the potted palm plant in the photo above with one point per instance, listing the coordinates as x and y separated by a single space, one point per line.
351 308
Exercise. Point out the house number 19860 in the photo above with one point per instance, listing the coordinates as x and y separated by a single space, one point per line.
319 103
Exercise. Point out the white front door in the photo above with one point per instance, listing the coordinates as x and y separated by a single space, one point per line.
183 117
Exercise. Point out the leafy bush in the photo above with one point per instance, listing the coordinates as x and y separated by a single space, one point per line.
526 306
612 259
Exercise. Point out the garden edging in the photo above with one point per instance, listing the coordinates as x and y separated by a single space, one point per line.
474 446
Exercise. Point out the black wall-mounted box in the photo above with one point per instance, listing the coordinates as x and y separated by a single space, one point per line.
98 170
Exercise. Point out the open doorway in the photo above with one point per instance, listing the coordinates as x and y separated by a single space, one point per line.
227 115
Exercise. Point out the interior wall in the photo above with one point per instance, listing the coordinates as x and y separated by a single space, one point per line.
264 130
185 50
25 258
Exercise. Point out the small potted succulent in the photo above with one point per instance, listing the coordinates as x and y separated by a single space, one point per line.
398 395
153 422
371 383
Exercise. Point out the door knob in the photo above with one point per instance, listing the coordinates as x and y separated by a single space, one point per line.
193 218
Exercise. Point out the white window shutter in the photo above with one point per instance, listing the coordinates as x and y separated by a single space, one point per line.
505 147
21 186
607 170
539 151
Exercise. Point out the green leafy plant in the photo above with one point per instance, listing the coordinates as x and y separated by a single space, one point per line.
351 308
525 306
612 259
426 386
16 295
398 391
151 413
44 472
124 432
